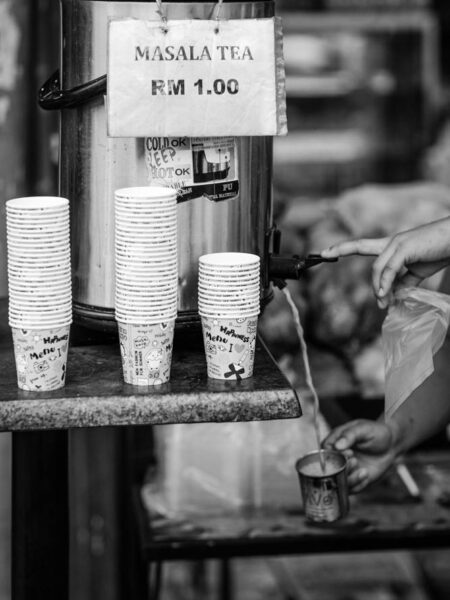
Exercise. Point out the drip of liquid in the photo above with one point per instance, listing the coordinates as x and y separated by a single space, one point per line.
309 381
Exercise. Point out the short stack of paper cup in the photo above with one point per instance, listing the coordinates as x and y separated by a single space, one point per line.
146 281
40 294
229 305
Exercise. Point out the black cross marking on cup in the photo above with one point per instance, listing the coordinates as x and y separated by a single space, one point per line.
233 371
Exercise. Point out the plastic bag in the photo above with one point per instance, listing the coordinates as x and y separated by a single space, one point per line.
413 331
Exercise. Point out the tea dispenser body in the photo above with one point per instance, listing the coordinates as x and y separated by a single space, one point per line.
92 166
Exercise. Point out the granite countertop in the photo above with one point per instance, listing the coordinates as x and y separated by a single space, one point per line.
96 396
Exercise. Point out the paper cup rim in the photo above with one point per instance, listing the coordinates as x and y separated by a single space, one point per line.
131 217
35 281
226 286
153 290
138 268
27 250
145 266
34 327
52 291
149 191
158 322
64 326
144 318
37 227
37 216
221 276
147 244
41 309
229 259
50 271
36 240
37 202
52 294
231 315
145 322
48 261
42 319
151 304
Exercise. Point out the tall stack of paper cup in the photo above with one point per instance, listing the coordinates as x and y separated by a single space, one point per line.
40 294
146 281
229 305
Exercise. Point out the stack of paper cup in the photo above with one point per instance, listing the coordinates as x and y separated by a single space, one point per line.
229 304
146 281
40 294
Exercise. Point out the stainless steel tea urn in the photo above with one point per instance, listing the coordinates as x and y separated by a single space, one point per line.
92 165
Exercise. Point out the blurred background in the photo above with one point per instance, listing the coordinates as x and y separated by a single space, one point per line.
367 154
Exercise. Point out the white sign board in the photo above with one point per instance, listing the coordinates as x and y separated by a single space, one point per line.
198 78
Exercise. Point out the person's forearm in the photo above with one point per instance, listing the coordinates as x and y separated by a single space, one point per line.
427 410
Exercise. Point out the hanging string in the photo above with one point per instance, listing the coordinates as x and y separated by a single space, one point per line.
162 15
218 10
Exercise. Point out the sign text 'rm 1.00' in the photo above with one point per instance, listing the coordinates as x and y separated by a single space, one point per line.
177 87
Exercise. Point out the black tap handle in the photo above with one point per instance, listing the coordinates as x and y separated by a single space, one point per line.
316 259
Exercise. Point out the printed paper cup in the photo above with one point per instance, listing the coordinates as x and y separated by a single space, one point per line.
229 346
41 357
146 351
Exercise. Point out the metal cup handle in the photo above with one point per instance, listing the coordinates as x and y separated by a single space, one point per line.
52 97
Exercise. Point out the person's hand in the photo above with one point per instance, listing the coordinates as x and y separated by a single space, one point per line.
369 447
404 259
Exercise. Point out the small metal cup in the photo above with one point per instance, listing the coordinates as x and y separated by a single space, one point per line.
325 493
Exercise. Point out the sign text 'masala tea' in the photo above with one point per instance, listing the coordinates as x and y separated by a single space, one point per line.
169 53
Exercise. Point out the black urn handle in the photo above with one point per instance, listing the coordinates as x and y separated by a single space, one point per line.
52 97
